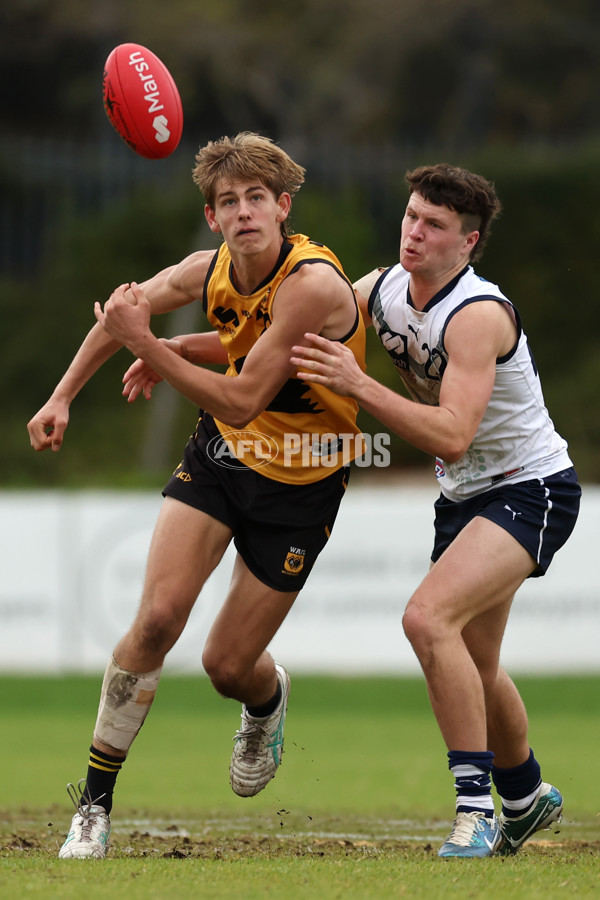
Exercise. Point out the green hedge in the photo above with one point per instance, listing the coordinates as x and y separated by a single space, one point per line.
542 253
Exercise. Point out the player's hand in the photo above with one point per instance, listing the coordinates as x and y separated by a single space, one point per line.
47 428
329 363
140 378
126 316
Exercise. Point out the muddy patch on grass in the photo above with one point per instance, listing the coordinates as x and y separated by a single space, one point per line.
143 844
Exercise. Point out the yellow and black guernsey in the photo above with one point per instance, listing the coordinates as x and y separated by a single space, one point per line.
307 431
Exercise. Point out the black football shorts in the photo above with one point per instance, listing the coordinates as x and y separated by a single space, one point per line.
279 529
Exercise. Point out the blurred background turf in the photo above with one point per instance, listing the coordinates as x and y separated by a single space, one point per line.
355 747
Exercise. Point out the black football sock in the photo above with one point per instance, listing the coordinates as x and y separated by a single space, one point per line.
472 780
101 777
261 712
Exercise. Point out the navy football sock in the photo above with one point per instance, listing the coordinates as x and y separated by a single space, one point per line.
472 780
516 783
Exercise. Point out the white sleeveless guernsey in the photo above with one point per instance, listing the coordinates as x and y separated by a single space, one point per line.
516 439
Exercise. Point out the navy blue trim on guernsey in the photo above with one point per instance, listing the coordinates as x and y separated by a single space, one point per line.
431 303
511 353
373 294
467 302
443 292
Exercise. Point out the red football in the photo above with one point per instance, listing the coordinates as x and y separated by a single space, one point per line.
142 101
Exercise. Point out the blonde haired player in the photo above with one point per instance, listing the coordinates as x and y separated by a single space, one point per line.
261 291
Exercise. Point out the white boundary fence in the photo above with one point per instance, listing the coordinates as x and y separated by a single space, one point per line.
73 565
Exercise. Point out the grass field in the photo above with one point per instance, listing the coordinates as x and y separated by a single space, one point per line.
361 804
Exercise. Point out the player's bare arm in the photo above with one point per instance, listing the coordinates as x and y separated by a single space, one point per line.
314 298
475 338
167 290
203 348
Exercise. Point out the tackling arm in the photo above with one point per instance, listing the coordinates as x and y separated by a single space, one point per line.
475 338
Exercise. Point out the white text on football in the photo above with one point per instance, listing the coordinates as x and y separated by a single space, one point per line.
151 94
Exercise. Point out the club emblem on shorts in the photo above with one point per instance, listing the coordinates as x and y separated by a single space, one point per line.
294 561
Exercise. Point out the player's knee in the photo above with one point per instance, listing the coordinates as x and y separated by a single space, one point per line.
155 633
411 623
418 628
224 674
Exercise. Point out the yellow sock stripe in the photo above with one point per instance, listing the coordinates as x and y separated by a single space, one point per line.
104 764
95 765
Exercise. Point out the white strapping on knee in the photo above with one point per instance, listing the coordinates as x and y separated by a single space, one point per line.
125 701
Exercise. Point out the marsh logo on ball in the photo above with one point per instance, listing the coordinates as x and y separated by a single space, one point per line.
162 133
142 101
294 561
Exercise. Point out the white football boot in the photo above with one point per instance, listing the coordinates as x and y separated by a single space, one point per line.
89 835
259 745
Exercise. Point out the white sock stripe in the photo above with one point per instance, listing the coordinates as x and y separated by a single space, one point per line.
522 803
466 771
481 801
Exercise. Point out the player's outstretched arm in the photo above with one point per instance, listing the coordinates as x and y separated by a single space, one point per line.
475 338
235 401
47 428
169 289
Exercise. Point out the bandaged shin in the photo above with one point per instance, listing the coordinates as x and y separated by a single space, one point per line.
125 701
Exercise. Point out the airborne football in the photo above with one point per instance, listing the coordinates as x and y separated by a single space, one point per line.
142 101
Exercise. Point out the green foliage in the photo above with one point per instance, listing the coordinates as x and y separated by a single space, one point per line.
541 252
346 70
46 318
361 91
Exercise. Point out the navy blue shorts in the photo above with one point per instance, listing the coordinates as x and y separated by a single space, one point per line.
279 529
540 514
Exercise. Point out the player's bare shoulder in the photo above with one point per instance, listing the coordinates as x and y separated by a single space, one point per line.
487 326
321 282
189 276
326 290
